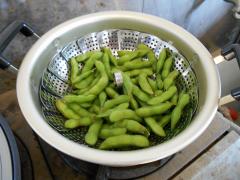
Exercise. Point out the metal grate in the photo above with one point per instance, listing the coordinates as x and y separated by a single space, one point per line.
55 78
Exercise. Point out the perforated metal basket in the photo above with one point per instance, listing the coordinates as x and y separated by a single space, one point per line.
55 79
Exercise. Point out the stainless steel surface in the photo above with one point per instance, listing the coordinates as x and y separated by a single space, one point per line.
55 79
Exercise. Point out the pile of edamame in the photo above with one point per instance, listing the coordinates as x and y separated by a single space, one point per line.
120 117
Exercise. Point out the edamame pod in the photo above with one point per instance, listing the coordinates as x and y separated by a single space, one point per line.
65 110
82 76
158 130
127 84
124 141
102 98
167 67
140 94
170 79
74 69
136 72
128 57
114 102
108 112
163 97
148 111
74 123
184 99
152 60
85 82
92 135
79 98
107 65
111 92
164 120
143 82
110 132
124 114
143 46
136 64
83 57
91 61
132 126
103 82
111 57
79 110
159 82
161 60
152 83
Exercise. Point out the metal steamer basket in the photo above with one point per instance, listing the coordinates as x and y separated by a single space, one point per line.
44 77
55 80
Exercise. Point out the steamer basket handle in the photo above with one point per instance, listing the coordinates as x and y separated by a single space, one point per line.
7 35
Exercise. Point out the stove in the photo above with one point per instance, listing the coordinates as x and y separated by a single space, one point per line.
41 161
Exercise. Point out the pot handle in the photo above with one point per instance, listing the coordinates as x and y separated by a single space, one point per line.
7 35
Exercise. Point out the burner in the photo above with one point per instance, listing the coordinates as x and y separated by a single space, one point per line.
99 172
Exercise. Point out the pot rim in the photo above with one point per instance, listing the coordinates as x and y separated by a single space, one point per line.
115 158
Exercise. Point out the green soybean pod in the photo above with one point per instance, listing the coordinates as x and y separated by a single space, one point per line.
184 99
85 82
93 83
152 60
107 65
127 84
132 126
136 72
152 83
79 98
148 111
158 92
111 57
79 110
136 64
124 141
108 112
158 130
74 123
111 92
142 52
91 61
103 81
102 98
164 96
134 80
109 132
167 67
143 46
85 105
174 99
159 82
121 114
164 120
92 135
123 52
74 69
116 101
170 79
82 76
94 109
161 60
65 110
133 103
143 83
128 57
85 56
140 94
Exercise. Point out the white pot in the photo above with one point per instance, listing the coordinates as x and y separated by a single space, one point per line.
42 51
